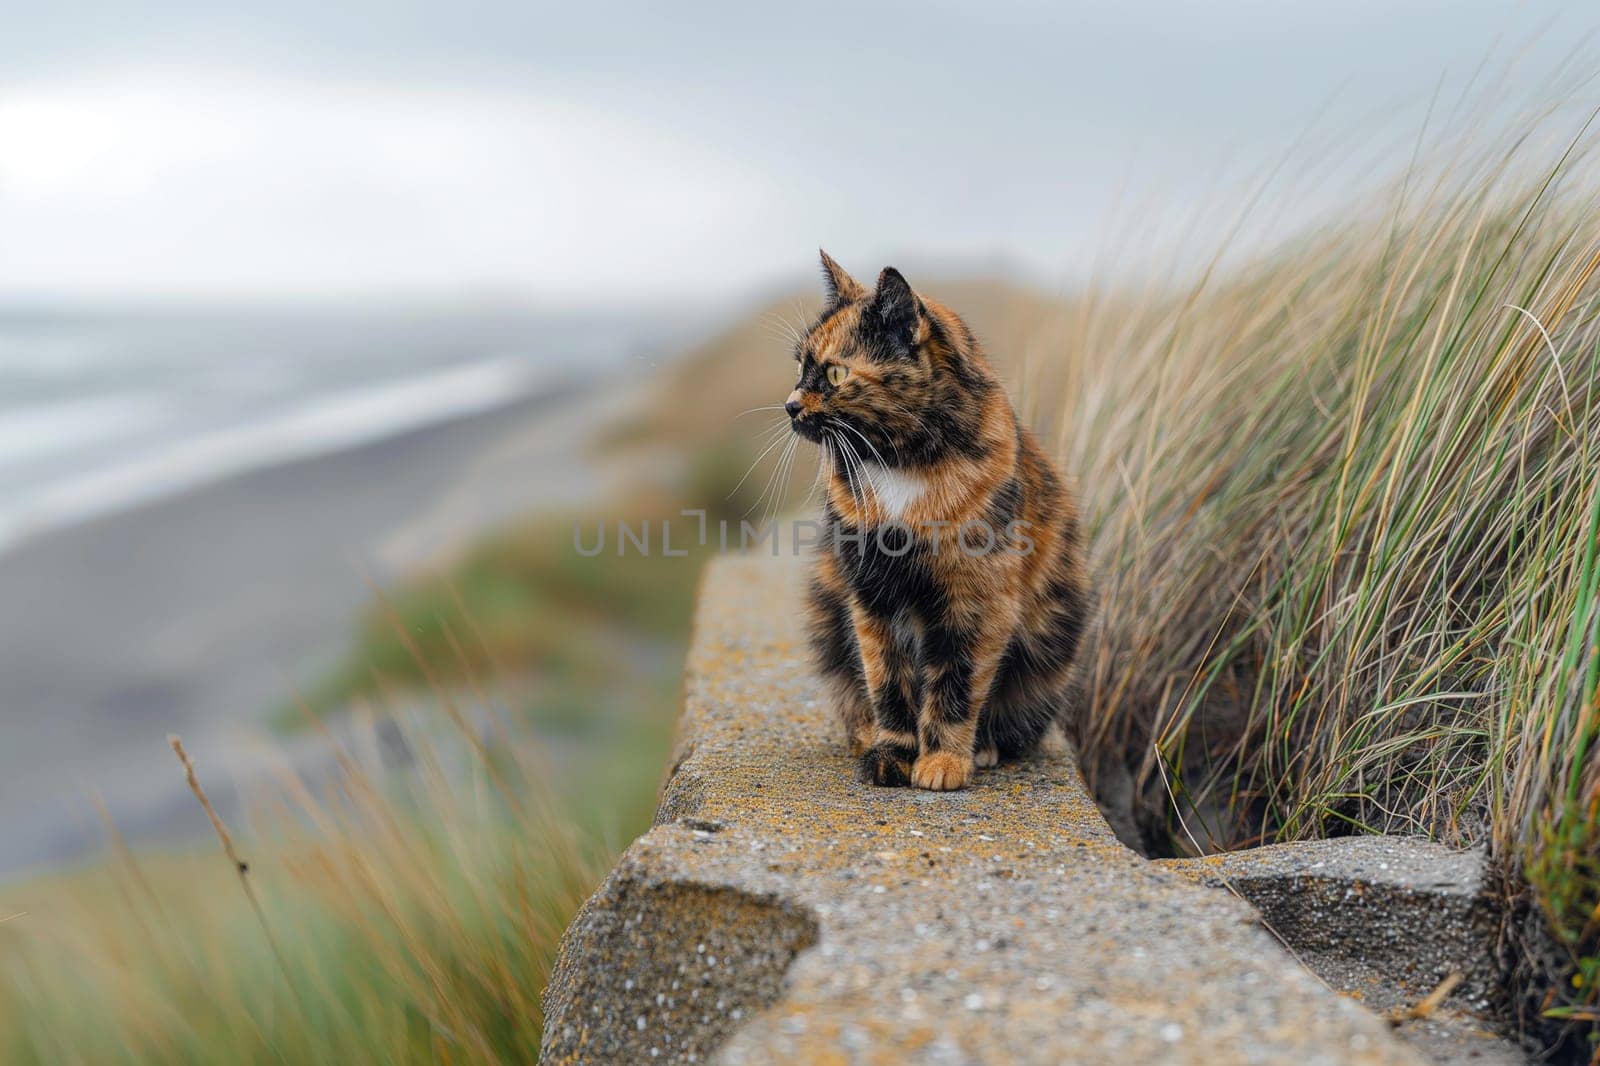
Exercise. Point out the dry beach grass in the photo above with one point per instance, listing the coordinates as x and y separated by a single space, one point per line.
1344 503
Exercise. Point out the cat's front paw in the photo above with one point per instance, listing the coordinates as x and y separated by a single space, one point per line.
887 764
942 771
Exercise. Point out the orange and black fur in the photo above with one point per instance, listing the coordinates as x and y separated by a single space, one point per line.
949 595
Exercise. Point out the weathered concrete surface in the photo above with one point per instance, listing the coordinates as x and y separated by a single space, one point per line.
1004 923
1410 909
1385 920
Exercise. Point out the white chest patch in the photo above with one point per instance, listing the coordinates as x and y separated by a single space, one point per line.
896 490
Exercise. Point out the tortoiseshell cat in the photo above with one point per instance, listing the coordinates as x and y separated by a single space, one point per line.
949 593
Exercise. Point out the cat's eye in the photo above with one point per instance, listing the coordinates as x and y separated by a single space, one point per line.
837 374
799 368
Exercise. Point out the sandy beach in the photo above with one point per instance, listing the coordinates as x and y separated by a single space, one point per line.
195 613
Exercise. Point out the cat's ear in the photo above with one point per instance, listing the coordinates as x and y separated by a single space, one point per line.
842 288
895 312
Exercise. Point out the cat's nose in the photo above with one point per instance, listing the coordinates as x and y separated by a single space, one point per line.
793 407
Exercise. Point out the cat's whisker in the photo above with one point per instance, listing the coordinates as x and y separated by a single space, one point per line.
845 468
776 430
834 461
773 484
781 321
800 321
856 475
764 407
876 454
823 459
751 468
793 458
841 464
869 480
836 467
787 466
772 479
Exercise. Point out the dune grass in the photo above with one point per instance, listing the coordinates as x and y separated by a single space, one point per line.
1344 503
404 918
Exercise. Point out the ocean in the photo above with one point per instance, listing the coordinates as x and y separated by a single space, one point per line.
104 410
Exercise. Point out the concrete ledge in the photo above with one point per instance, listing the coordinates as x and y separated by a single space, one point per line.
781 912
1384 920
1405 909
671 965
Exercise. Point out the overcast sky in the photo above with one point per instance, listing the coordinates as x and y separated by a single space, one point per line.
608 152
